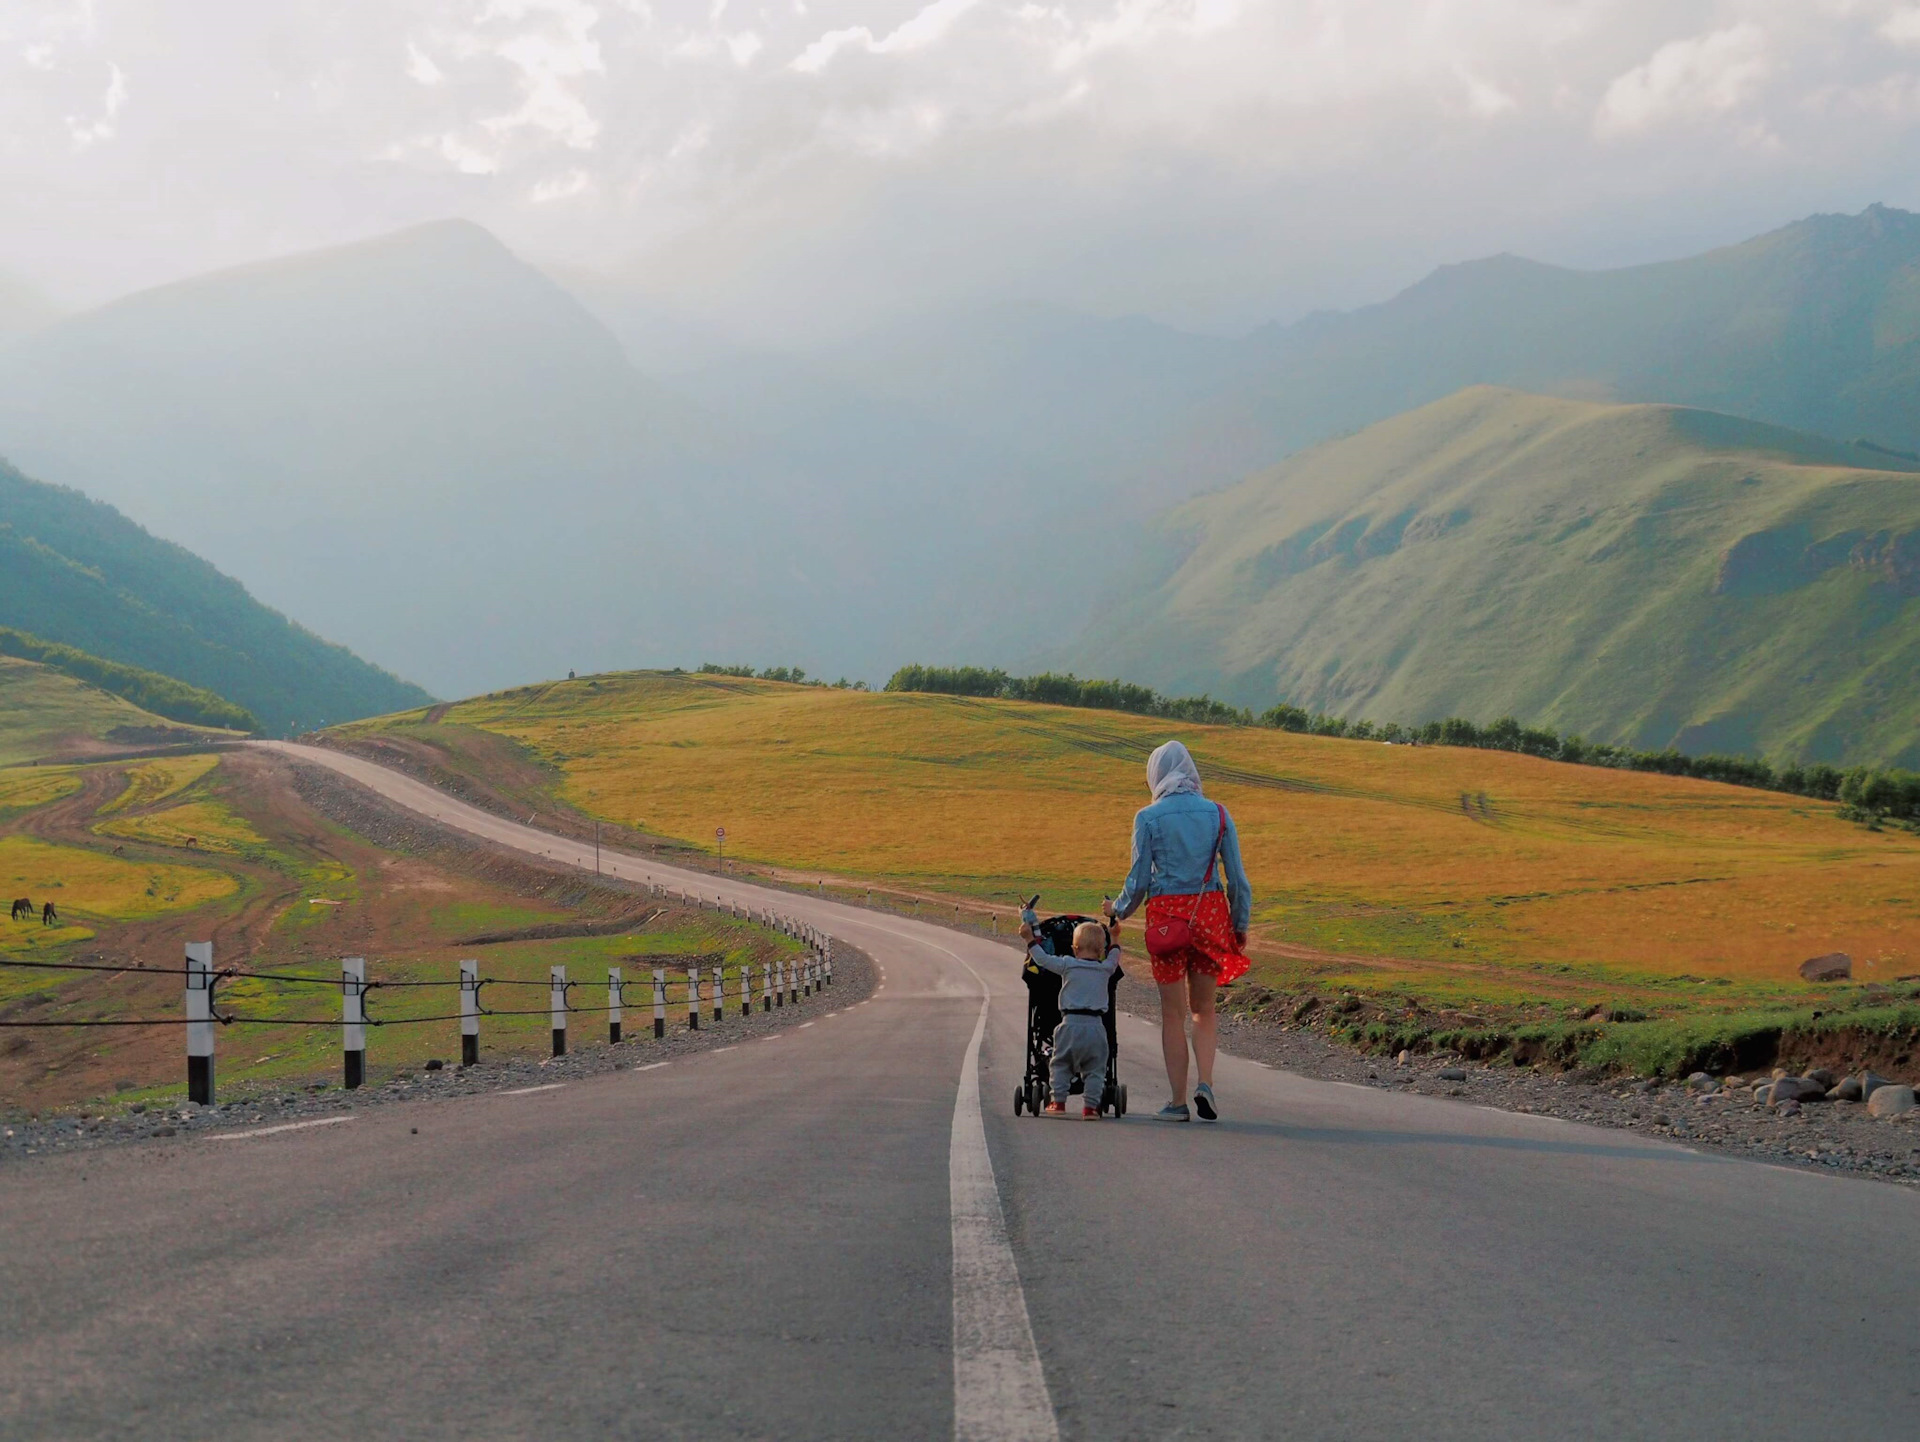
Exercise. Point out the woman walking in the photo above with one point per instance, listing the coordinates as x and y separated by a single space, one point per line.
1197 936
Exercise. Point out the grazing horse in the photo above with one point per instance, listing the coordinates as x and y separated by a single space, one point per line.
48 916
192 841
22 906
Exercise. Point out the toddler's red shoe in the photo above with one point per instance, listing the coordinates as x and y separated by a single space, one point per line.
1055 1109
1092 1114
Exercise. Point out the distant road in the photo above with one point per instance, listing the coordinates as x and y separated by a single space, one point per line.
843 1232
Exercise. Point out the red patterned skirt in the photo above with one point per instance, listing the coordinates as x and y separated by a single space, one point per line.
1213 950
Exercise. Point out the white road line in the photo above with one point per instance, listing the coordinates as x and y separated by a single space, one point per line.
653 1066
528 1091
803 1026
283 1127
716 1051
999 1391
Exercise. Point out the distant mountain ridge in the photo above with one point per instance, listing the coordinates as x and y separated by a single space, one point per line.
77 572
1643 575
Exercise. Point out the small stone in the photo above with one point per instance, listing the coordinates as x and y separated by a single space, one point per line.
1847 1089
1890 1100
413 1131
1661 1119
1811 1090
163 1131
1787 1109
435 1064
1701 1082
1870 1082
1834 966
1821 1075
1453 1073
137 1108
1733 1083
1404 1059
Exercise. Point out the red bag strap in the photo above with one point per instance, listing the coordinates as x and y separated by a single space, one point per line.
1206 882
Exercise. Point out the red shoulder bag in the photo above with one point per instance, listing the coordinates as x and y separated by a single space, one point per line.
1175 933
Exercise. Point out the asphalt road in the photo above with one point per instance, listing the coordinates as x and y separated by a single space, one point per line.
843 1232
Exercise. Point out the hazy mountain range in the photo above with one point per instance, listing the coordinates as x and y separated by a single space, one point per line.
1653 575
474 473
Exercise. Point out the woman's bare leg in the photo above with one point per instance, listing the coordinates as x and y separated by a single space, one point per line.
1206 1031
1173 1037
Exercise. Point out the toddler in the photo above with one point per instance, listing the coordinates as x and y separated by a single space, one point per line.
1080 1041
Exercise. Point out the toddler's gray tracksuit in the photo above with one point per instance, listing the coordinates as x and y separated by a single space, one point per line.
1080 1041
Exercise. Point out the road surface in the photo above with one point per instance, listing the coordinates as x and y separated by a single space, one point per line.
843 1232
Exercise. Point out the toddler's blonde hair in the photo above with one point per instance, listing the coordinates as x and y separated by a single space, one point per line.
1090 934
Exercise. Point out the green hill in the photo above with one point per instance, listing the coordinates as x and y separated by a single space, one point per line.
75 571
1645 575
47 714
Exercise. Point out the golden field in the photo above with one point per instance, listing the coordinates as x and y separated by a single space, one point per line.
1466 874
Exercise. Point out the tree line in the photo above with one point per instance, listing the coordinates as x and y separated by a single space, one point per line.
149 690
1866 793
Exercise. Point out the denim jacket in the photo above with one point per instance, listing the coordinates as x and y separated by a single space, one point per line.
1172 840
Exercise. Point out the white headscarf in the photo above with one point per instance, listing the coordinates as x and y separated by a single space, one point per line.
1170 770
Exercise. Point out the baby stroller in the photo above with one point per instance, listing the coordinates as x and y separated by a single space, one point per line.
1043 1015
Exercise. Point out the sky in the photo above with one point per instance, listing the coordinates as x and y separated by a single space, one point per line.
793 170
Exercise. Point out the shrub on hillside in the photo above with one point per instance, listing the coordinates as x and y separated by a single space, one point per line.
149 690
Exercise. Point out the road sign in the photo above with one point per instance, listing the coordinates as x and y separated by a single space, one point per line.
719 833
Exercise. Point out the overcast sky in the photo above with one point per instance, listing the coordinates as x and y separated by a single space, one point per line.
793 167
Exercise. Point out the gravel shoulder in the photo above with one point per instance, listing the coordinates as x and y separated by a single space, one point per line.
1821 1135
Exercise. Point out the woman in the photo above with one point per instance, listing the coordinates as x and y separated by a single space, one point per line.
1183 844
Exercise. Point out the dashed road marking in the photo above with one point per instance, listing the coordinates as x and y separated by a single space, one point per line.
283 1127
528 1091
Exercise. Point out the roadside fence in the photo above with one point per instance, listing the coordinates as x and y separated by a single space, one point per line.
782 982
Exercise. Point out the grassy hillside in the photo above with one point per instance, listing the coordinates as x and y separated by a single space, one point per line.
1643 575
78 572
46 713
1444 876
162 695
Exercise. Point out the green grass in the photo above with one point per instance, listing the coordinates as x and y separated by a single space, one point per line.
1640 575
41 710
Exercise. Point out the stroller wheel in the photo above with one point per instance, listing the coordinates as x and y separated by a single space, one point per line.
1019 1100
1120 1100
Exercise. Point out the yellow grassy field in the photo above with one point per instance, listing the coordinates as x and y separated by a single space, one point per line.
154 781
208 824
1482 873
24 787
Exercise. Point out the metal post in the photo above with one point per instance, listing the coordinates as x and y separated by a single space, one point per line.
596 856
353 1017
659 1002
557 1003
613 1006
200 1022
719 993
469 1013
693 998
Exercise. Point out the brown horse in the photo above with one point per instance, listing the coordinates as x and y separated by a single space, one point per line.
48 916
22 906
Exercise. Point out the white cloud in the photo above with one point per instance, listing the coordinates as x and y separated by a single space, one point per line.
1707 75
564 186
1903 26
924 28
420 67
102 126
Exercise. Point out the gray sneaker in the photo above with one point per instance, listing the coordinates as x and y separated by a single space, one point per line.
1203 1102
1173 1112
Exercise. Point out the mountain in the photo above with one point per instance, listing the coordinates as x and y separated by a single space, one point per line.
1644 574
77 572
1815 326
23 308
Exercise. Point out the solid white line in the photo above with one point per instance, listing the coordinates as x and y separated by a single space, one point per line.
999 1391
653 1066
528 1091
283 1127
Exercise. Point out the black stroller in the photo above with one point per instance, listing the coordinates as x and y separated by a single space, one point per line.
1043 1015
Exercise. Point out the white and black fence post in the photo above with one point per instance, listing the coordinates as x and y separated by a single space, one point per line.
746 989
793 982
659 1002
693 998
200 1022
469 1013
353 1018
766 986
557 1005
829 961
613 1006
719 998
779 984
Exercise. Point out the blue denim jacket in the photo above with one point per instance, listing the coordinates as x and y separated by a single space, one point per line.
1172 840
